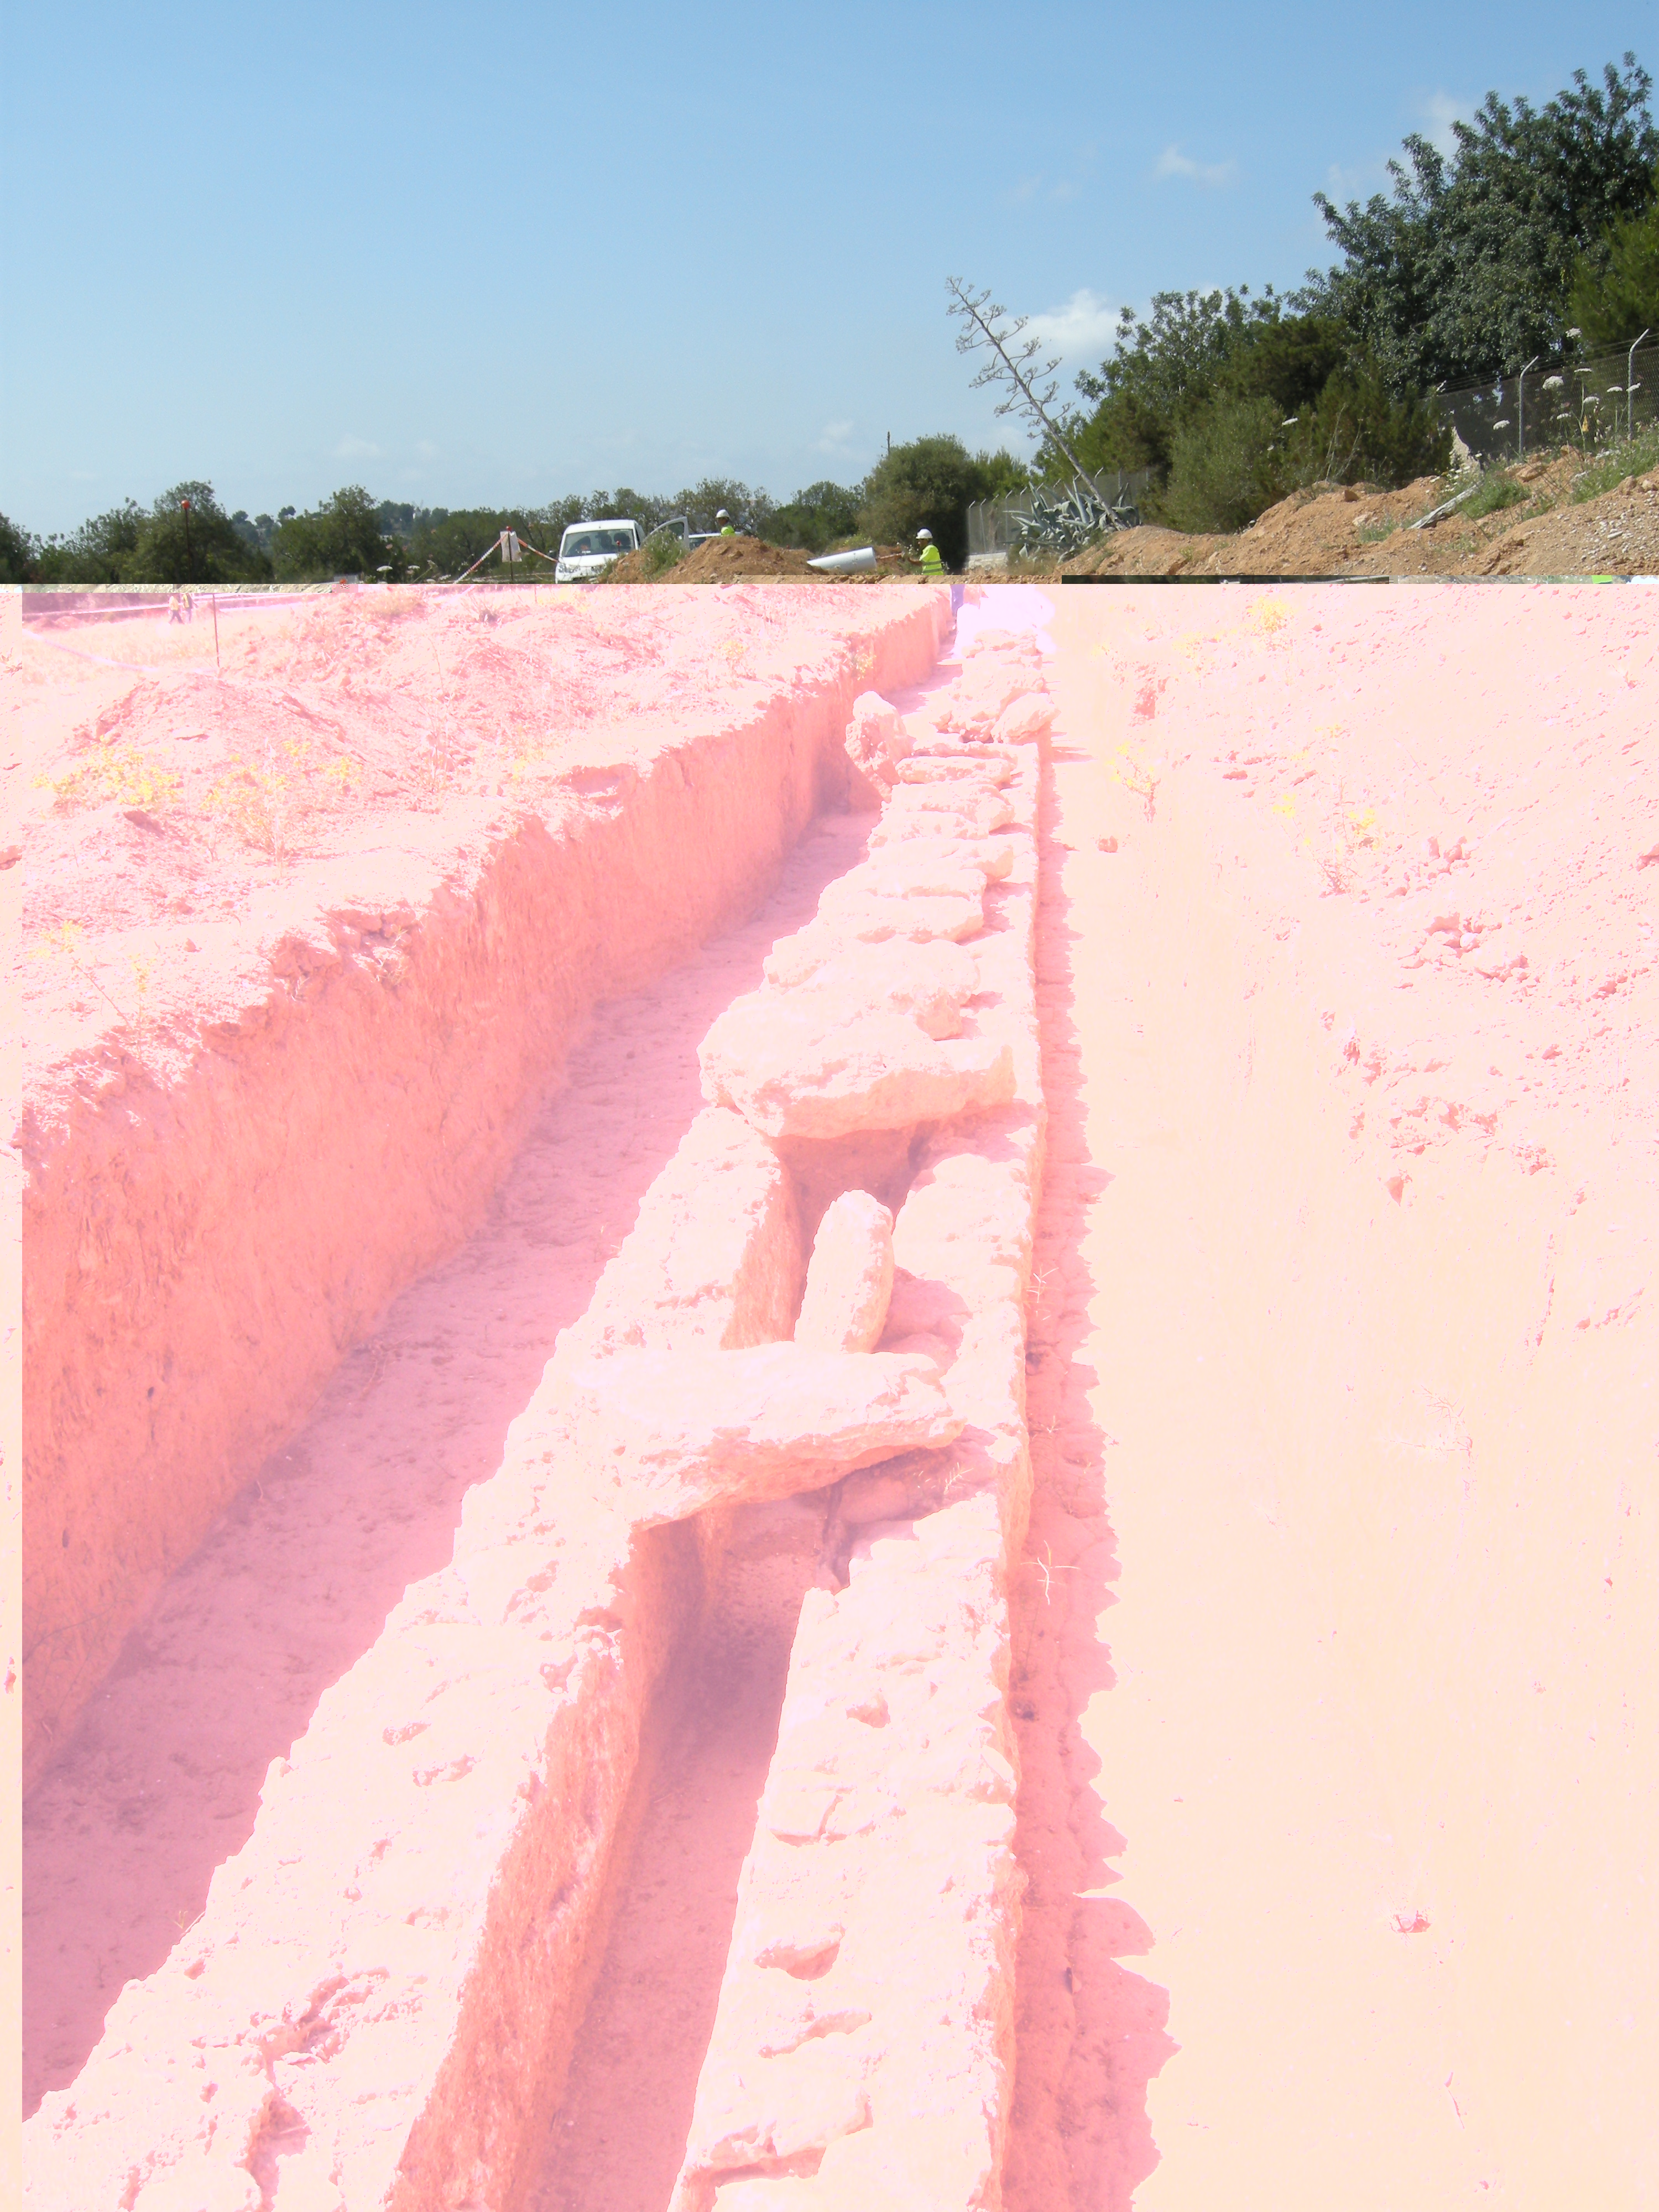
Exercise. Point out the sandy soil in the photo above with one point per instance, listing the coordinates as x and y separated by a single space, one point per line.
160 787
483 823
1343 1551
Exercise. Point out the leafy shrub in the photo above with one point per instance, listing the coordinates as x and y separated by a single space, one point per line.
931 483
1497 490
1633 458
1615 291
114 772
663 552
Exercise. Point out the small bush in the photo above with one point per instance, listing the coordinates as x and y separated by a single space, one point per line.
1221 473
1633 458
118 772
1497 488
663 552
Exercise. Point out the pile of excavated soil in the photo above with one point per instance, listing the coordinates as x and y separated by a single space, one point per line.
1353 530
722 558
711 564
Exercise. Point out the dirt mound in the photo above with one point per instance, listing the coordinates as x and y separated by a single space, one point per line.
709 563
1331 529
721 558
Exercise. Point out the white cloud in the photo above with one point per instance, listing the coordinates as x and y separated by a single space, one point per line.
1439 111
833 438
426 449
1344 184
357 449
1080 330
1172 162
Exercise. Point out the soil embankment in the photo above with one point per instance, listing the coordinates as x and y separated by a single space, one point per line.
1354 530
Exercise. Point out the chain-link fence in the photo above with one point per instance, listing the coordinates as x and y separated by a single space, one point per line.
1053 518
1590 404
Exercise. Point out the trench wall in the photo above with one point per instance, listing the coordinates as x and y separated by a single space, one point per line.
198 1259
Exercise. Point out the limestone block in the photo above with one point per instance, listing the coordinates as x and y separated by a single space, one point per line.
920 917
1018 644
925 843
715 1253
955 767
896 872
677 1431
931 982
797 1064
781 2110
960 812
1027 720
849 1279
975 703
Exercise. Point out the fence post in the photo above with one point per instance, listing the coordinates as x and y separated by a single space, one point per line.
1630 387
1521 410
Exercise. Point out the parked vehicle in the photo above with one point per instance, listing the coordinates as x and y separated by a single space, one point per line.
587 548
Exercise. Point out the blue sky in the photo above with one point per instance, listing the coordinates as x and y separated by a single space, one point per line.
467 255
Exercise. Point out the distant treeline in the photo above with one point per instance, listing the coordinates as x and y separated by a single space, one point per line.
185 536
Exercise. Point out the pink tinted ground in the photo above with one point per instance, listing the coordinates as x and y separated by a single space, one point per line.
1338 1689
161 1780
1336 1615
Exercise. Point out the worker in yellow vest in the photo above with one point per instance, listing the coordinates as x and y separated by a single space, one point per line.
933 564
723 523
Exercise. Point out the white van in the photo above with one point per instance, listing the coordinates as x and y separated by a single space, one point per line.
586 548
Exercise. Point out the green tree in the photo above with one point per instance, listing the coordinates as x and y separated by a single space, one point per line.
931 483
1000 473
1164 369
341 537
99 552
701 502
815 519
1615 291
1238 453
1232 402
1469 267
18 553
196 544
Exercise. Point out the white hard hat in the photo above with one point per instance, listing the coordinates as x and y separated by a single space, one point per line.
721 515
924 533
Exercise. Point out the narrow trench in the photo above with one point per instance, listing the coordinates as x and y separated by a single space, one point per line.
159 1781
707 1746
618 2137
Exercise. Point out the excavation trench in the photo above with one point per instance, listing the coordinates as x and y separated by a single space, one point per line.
161 1780
619 2134
642 1850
